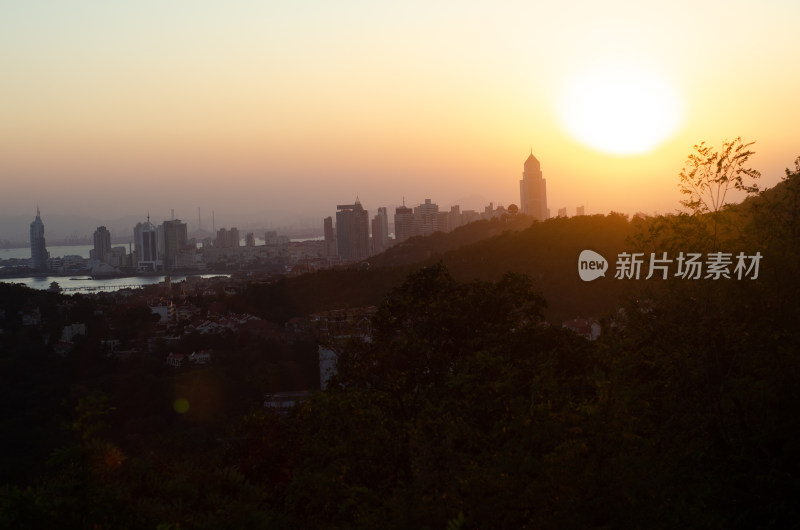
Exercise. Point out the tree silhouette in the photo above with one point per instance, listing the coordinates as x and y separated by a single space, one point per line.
709 175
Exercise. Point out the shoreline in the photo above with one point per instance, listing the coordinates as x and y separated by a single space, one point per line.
90 277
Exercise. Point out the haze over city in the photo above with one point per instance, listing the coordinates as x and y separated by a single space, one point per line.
272 112
365 265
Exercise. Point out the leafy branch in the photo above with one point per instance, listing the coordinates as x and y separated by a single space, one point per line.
709 175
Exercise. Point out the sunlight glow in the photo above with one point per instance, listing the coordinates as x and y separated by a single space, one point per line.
620 109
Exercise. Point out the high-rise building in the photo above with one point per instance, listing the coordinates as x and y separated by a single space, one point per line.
330 237
533 190
233 237
562 212
380 231
102 244
222 238
146 240
426 218
227 238
250 239
39 254
175 238
579 211
352 232
455 217
443 222
403 223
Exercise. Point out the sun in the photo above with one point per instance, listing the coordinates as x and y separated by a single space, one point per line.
620 109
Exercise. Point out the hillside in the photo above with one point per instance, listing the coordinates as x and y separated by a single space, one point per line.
461 411
418 249
548 252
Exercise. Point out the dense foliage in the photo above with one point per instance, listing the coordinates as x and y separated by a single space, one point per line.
466 409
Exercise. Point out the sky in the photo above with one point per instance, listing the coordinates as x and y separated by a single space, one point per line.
269 111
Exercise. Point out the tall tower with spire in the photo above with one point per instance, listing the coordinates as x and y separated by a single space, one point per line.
533 190
146 240
39 254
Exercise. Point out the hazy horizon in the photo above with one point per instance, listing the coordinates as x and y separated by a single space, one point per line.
65 226
274 113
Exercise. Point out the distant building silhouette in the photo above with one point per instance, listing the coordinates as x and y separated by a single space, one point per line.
116 257
533 190
562 212
39 254
352 232
455 217
146 242
222 238
175 239
227 238
380 231
426 218
102 244
403 223
579 211
330 238
443 223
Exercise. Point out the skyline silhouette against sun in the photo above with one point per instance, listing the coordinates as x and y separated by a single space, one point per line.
269 111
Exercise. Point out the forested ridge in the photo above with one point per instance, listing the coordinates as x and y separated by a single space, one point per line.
547 252
470 407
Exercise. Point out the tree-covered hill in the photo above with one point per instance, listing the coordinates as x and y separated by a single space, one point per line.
547 252
464 409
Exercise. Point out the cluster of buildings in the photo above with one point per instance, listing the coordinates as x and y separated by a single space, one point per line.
161 248
353 237
165 247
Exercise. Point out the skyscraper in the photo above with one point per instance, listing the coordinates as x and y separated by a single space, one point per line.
175 238
233 237
533 190
102 243
380 231
39 254
222 238
425 217
330 237
227 238
403 223
352 232
146 238
455 217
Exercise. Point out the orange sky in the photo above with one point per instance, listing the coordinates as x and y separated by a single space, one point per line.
266 113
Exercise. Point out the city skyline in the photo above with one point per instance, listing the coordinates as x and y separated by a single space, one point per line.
266 113
168 247
532 188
